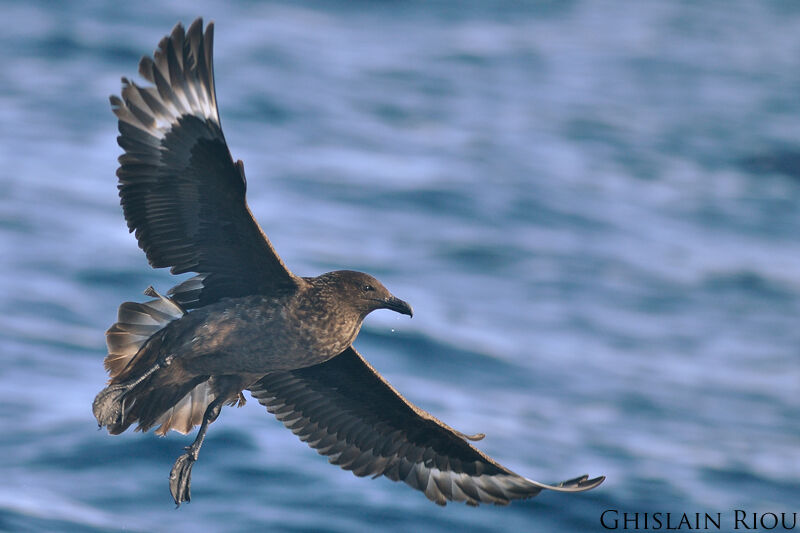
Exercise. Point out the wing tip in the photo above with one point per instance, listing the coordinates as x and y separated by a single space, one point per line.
577 484
195 25
179 88
177 31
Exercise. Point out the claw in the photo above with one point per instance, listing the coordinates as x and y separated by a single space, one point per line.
180 477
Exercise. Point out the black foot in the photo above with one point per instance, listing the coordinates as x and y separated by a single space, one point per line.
108 406
180 478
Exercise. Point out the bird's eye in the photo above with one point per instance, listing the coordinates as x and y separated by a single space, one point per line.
368 288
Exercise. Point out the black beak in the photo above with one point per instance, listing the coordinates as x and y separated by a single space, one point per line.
396 304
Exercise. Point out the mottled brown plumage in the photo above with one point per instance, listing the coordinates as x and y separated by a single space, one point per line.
247 322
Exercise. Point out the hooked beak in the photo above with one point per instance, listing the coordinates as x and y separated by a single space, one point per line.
398 305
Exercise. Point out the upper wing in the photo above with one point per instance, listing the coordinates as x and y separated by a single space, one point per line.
344 409
179 187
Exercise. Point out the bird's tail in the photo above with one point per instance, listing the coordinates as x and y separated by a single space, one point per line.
142 388
136 324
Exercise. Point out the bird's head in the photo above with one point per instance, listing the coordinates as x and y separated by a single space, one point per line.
364 292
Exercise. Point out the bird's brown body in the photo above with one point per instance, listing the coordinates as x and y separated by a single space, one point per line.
240 339
245 321
258 334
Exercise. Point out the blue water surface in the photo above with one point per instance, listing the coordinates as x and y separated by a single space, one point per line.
592 206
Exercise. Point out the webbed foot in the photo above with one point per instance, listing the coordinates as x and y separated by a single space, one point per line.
180 477
108 405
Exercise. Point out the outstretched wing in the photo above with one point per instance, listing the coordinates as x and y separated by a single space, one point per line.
180 189
344 409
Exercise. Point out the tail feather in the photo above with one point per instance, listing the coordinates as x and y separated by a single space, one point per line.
159 399
147 403
136 323
140 391
188 412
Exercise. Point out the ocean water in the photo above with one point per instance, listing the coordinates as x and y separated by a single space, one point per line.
592 206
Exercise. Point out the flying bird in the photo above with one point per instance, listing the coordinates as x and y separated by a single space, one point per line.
245 321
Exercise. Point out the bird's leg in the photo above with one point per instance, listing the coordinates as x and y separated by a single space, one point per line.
180 476
109 404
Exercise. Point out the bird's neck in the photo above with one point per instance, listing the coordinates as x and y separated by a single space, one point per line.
335 324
